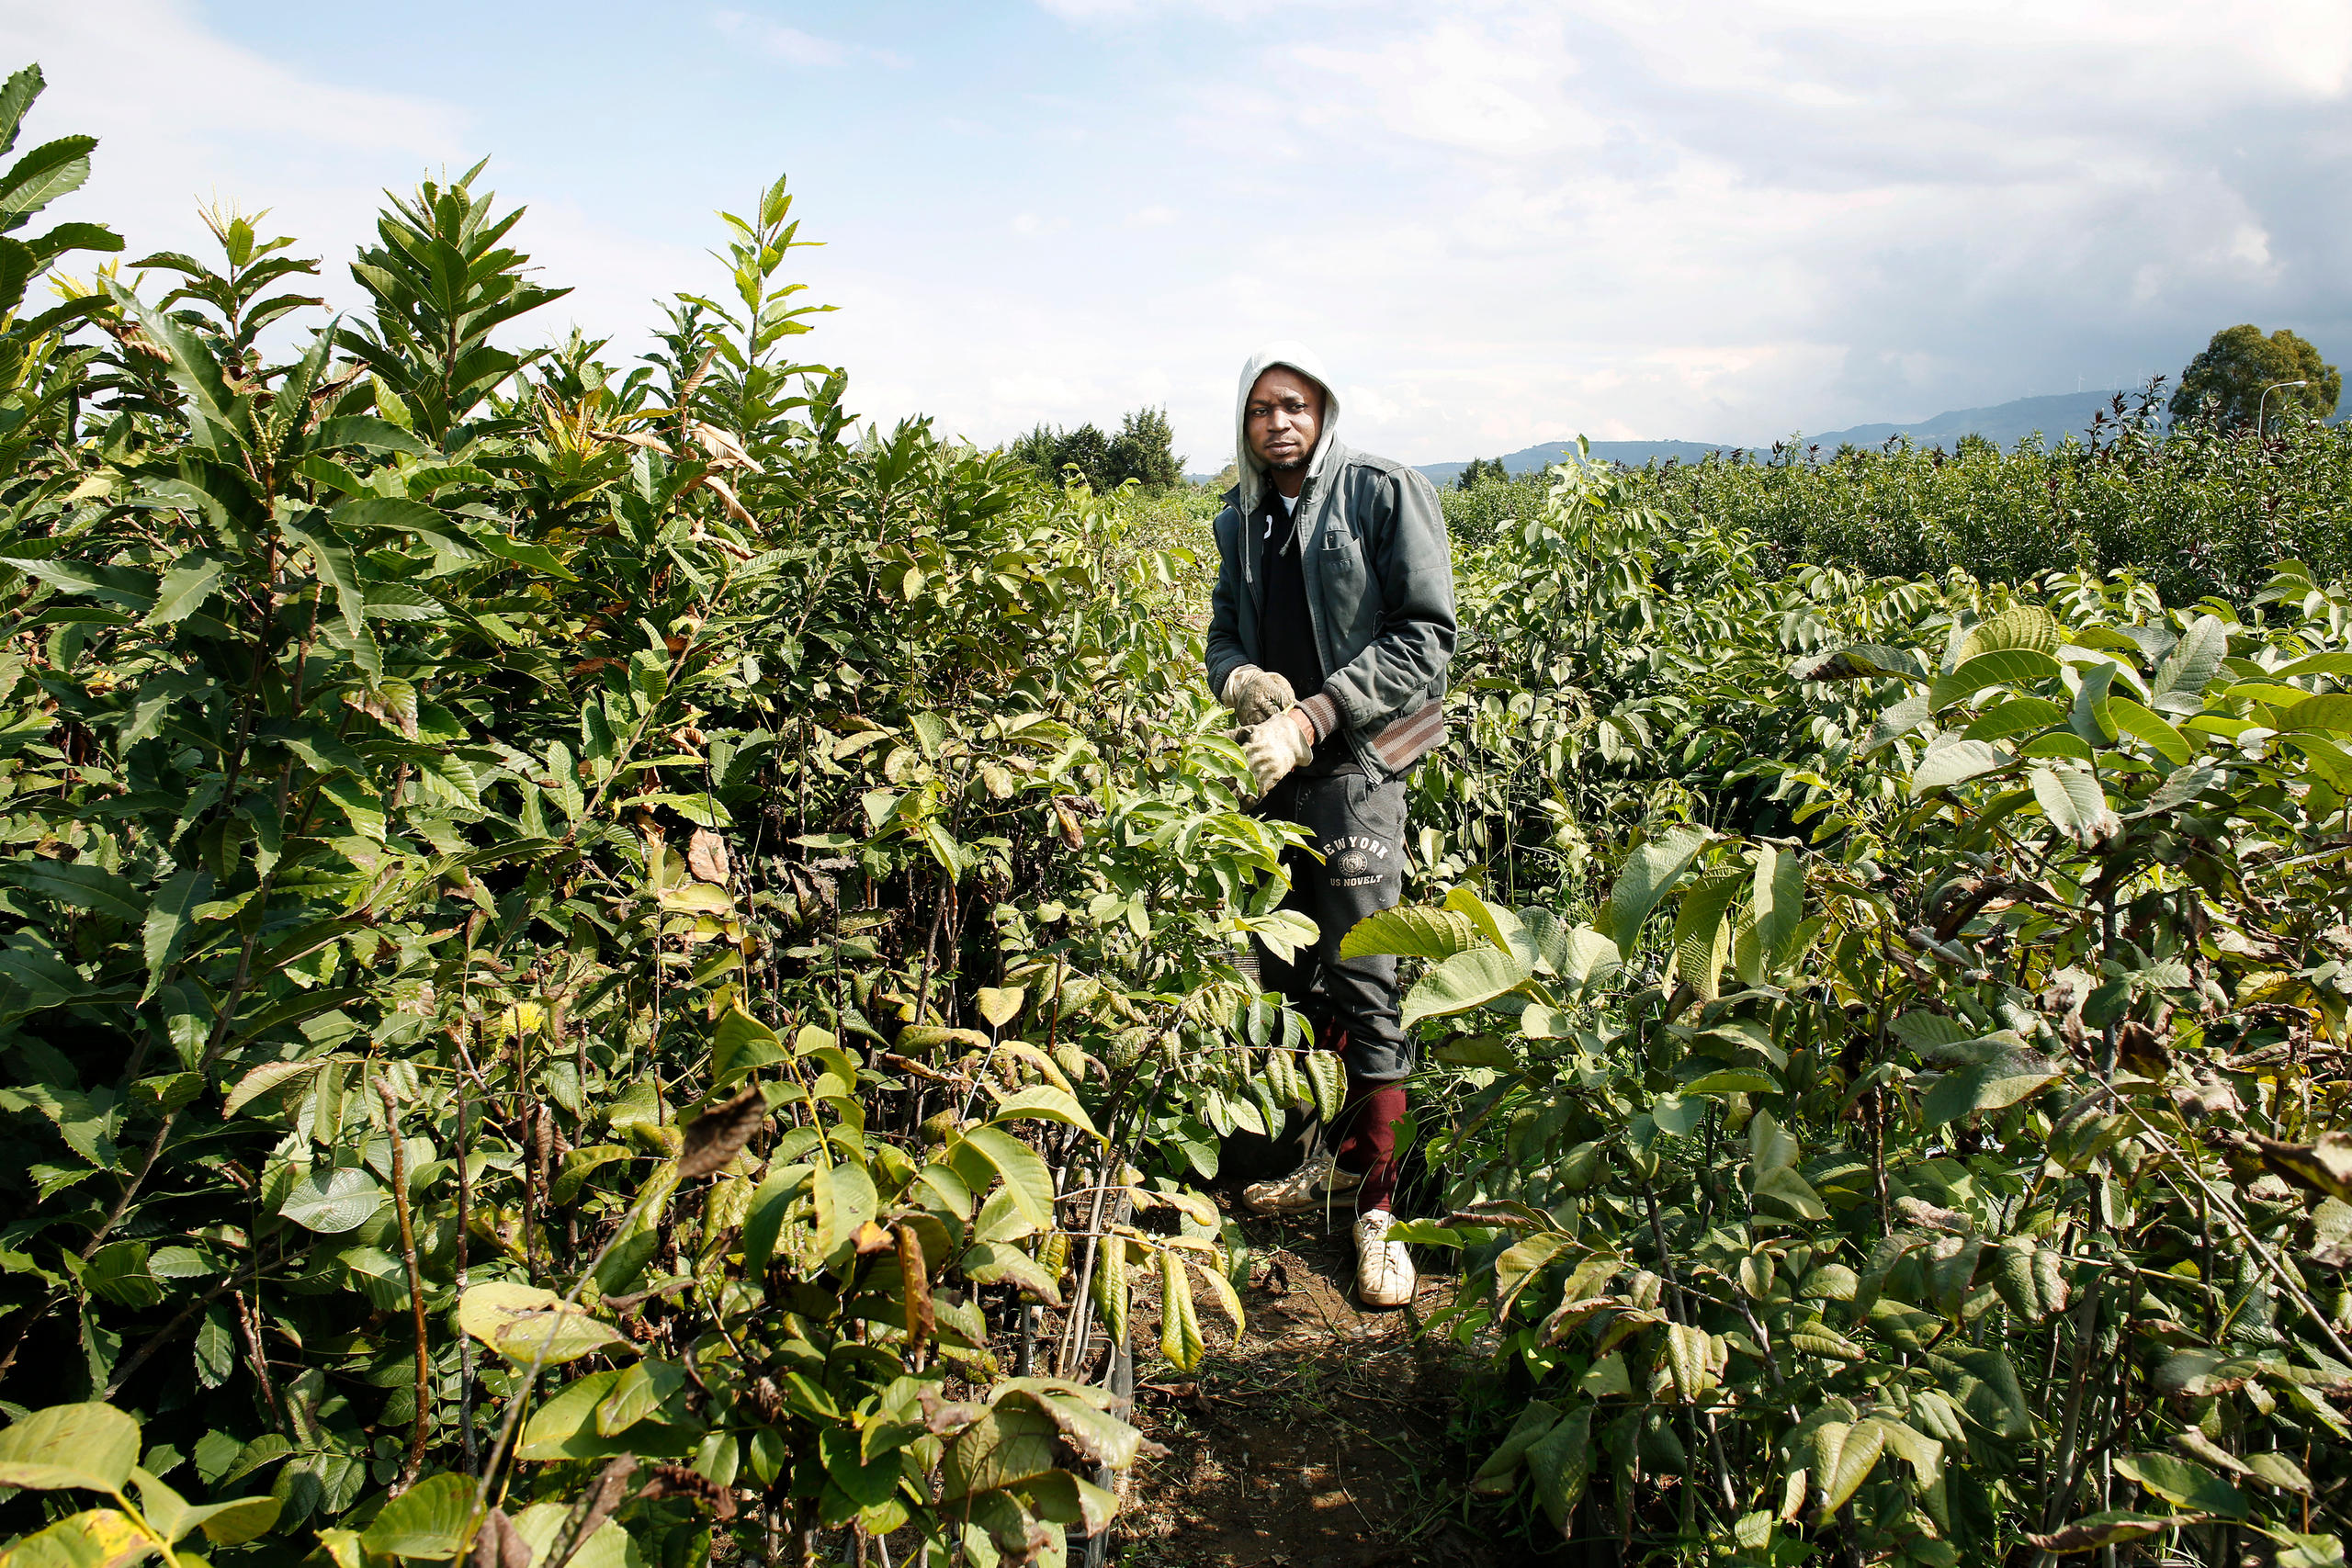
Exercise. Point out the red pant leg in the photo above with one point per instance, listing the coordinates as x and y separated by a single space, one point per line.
1365 1138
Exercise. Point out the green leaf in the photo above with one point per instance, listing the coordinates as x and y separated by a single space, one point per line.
2019 715
81 885
1849 1462
2008 667
1558 1463
335 566
432 1519
867 1482
1521 1261
2332 712
1732 1081
2091 717
369 434
1044 1102
1955 763
2076 806
1180 1323
1990 1086
742 1044
1645 879
2181 678
2149 729
89 1446
184 592
1498 926
1700 942
847 1203
764 1217
639 1392
2184 1483
2025 626
1410 931
1462 982
169 919
1026 1179
1776 907
1498 1474
333 1202
393 515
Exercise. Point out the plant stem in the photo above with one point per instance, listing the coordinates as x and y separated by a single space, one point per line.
414 1465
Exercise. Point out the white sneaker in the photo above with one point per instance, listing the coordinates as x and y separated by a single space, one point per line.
1384 1269
1318 1182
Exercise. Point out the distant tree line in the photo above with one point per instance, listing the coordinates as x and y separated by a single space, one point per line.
1143 450
1480 470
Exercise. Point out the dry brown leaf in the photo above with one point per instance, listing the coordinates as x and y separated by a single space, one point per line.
721 448
923 1321
498 1544
588 1515
718 1134
2324 1167
707 856
720 488
392 710
677 1481
635 438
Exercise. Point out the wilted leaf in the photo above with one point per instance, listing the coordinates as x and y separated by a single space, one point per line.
707 856
2115 1527
2324 1167
714 1138
523 1322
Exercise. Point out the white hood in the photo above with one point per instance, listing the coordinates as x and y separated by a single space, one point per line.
1303 359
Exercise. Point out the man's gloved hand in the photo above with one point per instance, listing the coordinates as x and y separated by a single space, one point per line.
1275 747
1256 695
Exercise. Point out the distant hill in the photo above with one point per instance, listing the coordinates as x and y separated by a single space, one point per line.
1531 459
2055 417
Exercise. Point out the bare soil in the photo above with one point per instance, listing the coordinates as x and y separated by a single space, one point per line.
1318 1441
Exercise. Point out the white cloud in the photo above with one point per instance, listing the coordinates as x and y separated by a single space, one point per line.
1501 220
797 48
184 118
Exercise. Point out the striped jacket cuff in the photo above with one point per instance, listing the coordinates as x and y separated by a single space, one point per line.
1411 738
1321 712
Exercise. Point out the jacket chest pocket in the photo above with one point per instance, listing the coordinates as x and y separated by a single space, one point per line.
1339 555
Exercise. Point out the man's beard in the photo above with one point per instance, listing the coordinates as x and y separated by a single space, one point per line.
1289 468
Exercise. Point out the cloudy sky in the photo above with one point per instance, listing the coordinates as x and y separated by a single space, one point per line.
1501 223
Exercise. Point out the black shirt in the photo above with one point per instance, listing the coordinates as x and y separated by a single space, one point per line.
1285 630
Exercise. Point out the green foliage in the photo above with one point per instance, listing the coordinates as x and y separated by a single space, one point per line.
1143 450
2198 511
2225 383
1927 1144
1482 471
509 963
580 946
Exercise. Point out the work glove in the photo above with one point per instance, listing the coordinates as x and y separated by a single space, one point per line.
1256 695
1275 747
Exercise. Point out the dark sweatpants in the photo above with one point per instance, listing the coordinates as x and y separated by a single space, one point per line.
1358 828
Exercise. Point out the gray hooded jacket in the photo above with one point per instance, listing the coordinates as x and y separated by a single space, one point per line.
1379 579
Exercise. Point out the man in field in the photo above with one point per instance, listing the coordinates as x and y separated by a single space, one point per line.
1329 634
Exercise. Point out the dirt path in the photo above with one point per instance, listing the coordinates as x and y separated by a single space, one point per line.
1319 1443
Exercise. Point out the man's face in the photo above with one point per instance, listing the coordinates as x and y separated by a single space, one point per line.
1283 417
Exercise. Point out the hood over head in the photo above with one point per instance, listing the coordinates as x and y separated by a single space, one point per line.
1307 363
